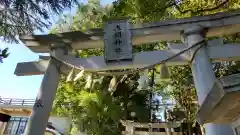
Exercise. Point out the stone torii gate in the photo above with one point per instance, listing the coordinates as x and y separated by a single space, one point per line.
190 31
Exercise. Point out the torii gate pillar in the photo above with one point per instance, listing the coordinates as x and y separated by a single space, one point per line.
43 105
203 75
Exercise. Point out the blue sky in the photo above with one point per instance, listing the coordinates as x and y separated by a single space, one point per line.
13 86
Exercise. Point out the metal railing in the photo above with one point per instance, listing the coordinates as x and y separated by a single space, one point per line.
17 102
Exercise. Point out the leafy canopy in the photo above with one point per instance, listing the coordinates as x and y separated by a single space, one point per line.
181 86
24 16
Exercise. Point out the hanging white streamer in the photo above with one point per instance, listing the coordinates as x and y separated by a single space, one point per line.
70 75
164 73
113 84
79 75
89 82
143 81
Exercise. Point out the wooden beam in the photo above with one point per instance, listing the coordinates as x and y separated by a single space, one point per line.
18 113
217 53
4 111
97 63
153 133
41 57
176 47
31 68
153 125
26 111
219 24
226 52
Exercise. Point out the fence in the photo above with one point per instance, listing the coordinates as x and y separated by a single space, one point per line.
163 128
17 102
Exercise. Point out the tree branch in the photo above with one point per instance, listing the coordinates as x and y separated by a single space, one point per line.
12 25
201 10
175 4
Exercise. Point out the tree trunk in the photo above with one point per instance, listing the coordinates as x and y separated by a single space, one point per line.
189 128
126 105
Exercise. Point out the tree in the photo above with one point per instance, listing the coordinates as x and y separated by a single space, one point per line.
23 17
3 54
19 17
98 109
181 84
93 110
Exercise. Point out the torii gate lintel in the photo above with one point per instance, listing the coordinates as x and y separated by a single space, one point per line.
217 52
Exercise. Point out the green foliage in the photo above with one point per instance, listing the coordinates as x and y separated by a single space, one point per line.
97 111
183 91
20 17
181 86
4 54
23 17
88 107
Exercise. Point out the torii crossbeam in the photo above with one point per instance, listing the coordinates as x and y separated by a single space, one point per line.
219 24
216 51
190 30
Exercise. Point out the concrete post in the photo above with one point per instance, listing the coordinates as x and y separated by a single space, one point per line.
130 129
39 117
168 131
2 127
204 76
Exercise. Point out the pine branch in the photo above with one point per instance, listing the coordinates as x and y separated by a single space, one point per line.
11 25
175 4
201 10
23 17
